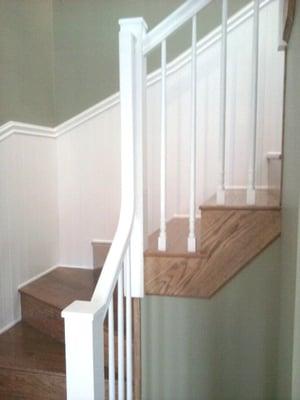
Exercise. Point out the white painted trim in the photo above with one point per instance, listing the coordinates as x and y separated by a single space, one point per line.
12 127
10 325
245 187
274 155
88 114
207 41
101 241
171 23
35 277
21 128
74 266
47 271
186 216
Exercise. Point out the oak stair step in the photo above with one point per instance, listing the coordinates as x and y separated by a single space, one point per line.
43 299
32 365
228 238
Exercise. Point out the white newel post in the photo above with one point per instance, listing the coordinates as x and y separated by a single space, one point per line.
84 351
137 28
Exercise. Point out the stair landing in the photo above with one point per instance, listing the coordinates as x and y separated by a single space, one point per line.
43 300
228 238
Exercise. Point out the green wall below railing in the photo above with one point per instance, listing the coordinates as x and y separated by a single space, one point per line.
225 348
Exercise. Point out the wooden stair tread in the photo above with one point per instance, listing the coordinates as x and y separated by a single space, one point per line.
32 365
43 299
62 286
266 199
177 232
229 240
25 348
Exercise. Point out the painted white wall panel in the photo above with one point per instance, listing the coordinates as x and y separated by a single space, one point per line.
28 216
88 186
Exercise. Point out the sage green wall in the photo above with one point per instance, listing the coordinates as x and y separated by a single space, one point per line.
290 224
26 61
58 58
219 349
296 341
86 45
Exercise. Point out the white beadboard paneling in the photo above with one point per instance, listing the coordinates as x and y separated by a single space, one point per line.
28 216
88 186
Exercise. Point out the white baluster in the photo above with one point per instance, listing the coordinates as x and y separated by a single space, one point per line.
223 103
120 339
192 212
129 375
162 240
255 57
111 350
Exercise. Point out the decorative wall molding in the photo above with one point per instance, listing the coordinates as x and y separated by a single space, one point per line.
13 127
21 128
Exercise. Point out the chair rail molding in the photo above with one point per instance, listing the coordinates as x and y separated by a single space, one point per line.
21 128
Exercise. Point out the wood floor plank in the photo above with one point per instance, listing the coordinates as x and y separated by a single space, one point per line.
62 286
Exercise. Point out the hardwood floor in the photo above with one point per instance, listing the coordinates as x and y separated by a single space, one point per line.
177 233
32 365
32 359
229 240
62 286
43 300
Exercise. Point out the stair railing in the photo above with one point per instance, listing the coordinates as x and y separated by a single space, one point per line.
158 36
123 269
122 272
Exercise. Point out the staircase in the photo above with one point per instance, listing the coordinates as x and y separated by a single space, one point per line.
228 237
32 353
79 337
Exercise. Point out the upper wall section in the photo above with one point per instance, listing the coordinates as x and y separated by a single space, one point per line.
26 61
86 45
58 58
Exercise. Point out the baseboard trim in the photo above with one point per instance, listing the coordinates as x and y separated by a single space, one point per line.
37 276
49 270
75 266
10 325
